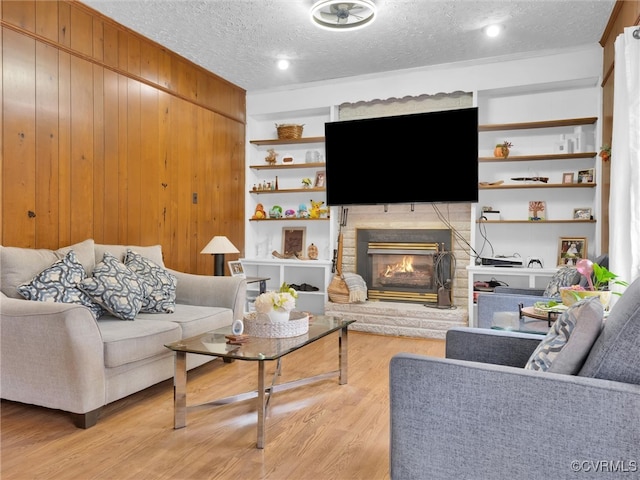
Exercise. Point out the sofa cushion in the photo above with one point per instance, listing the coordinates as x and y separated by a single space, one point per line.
127 342
564 277
162 298
565 347
59 283
153 252
21 265
116 287
194 319
615 355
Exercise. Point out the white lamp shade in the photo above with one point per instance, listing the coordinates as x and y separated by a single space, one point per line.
220 244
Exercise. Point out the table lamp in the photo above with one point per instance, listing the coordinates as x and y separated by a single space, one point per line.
218 246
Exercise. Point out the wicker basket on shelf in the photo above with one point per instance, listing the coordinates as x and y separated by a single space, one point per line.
289 131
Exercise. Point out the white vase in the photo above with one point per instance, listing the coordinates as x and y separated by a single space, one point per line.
279 315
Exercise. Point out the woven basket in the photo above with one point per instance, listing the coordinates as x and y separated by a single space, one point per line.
289 131
256 325
338 290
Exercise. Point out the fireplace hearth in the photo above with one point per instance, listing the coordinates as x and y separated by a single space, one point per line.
404 265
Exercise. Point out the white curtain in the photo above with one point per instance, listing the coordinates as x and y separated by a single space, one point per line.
624 206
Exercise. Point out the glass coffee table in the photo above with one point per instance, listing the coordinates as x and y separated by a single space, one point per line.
260 350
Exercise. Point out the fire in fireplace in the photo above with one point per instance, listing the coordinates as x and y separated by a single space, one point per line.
403 265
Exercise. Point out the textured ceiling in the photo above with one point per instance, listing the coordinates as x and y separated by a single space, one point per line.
241 40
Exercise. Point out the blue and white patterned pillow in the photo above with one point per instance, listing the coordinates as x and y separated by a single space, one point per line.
162 298
565 347
59 283
564 277
116 287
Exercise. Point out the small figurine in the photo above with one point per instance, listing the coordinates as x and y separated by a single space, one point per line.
290 213
259 213
316 209
303 212
272 157
275 212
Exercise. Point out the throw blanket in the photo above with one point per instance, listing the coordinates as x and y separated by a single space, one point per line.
357 287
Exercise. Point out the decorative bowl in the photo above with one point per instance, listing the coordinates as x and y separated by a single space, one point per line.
259 325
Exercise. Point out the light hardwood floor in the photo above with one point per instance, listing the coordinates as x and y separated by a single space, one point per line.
319 431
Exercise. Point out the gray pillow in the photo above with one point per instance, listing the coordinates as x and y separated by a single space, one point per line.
616 354
116 287
568 342
564 277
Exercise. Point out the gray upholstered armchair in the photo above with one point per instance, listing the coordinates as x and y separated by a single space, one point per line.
479 414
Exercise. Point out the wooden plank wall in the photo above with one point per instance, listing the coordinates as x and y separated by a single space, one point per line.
625 14
107 135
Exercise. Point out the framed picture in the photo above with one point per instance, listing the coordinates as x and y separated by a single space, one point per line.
567 177
570 250
582 214
293 240
320 177
537 210
236 269
586 176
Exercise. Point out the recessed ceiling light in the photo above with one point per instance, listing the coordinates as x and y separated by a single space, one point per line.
283 64
342 15
493 30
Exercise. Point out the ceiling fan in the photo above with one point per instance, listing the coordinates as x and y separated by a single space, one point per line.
341 15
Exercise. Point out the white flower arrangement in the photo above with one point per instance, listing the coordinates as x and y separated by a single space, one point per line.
284 299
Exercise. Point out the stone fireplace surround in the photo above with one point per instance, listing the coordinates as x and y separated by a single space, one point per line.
400 318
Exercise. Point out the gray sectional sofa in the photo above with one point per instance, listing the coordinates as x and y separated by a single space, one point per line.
478 414
60 356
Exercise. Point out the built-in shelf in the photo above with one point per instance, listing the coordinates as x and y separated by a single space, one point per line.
536 185
288 166
289 190
528 158
287 141
536 221
285 219
568 122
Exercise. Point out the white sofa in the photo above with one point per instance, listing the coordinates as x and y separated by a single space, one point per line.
57 355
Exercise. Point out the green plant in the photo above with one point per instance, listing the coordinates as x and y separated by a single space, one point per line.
605 152
599 277
504 144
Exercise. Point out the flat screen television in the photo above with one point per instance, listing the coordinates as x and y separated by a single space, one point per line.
416 158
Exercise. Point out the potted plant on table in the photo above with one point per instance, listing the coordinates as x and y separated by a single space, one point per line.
599 280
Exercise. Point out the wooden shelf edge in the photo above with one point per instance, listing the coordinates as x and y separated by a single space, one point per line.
288 166
536 185
545 124
287 141
536 221
284 219
550 156
290 190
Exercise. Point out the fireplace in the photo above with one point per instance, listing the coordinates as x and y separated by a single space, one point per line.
404 265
